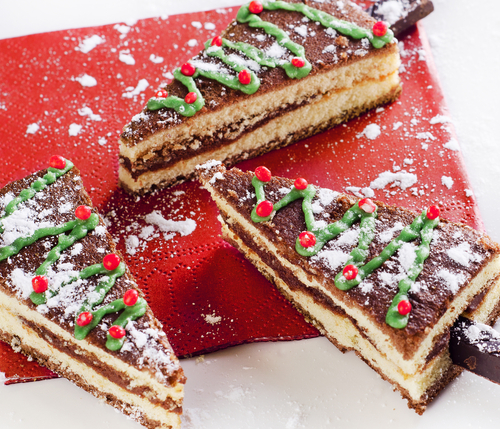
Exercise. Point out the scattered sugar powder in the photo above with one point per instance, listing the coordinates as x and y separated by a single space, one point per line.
326 196
196 24
439 119
212 319
360 192
453 281
155 59
184 227
302 30
447 181
122 29
21 282
86 80
389 234
76 249
21 223
216 176
87 111
65 208
192 43
333 258
349 237
32 128
402 179
407 255
127 58
89 43
462 254
371 131
275 51
131 244
142 85
452 145
74 130
391 10
208 165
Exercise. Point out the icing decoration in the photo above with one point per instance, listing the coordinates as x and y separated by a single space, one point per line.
255 7
244 77
111 261
356 270
111 268
350 272
298 68
116 332
83 212
217 41
190 97
307 239
263 174
161 93
40 284
130 297
379 29
300 184
84 318
57 161
404 307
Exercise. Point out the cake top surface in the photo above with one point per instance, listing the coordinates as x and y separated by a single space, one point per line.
37 227
456 252
324 48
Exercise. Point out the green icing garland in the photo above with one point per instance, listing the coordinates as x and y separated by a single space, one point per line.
245 16
421 227
78 229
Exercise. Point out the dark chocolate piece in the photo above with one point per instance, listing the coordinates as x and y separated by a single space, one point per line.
476 347
400 14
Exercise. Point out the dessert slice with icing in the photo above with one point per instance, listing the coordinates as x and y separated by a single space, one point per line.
68 300
280 72
380 280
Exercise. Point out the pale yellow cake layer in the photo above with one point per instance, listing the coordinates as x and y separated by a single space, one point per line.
252 110
11 311
380 340
326 109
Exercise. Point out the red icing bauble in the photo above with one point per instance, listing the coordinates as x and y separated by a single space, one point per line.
83 212
264 209
404 307
298 62
217 41
187 69
433 212
367 205
57 161
111 261
379 29
350 272
255 7
244 77
307 239
130 297
301 184
40 284
117 332
161 93
190 98
263 174
84 318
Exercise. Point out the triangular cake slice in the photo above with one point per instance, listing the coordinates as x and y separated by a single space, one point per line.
68 300
383 281
280 72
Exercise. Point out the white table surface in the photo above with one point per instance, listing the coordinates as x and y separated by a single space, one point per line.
309 383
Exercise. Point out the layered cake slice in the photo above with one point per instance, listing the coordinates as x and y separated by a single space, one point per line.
280 72
380 280
68 300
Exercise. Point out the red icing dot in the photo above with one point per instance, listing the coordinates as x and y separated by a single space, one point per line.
83 212
217 41
379 29
187 69
40 284
111 261
130 297
255 7
301 184
263 174
264 209
244 77
367 205
57 161
433 212
116 332
307 239
84 318
350 272
404 307
161 93
298 62
190 98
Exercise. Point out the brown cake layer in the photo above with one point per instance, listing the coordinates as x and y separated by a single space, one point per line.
141 378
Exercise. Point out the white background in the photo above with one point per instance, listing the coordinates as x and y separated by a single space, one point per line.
305 384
